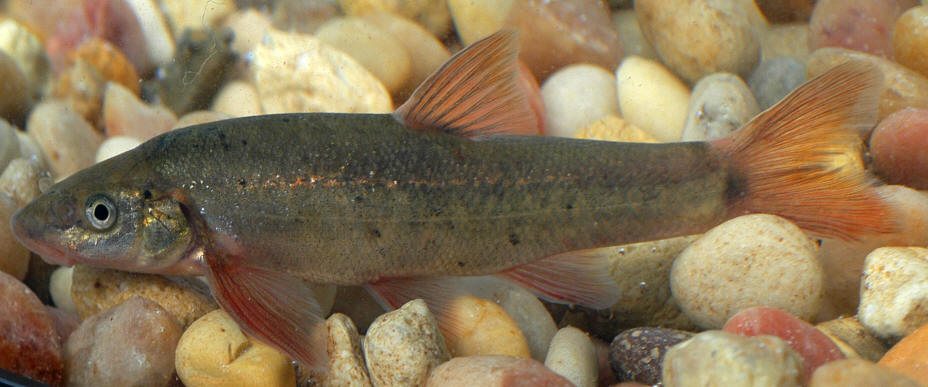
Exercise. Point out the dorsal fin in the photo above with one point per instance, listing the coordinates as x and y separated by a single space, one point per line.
475 93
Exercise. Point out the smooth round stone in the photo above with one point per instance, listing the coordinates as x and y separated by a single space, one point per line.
854 340
60 289
214 352
494 370
404 346
129 344
114 146
909 357
716 358
194 15
475 19
379 52
29 343
346 365
652 98
14 101
698 38
896 146
25 48
14 259
156 35
125 115
812 345
858 373
910 39
720 104
532 317
20 180
427 52
198 117
237 99
577 96
9 144
248 27
483 328
779 11
433 15
784 40
637 354
894 291
862 25
81 87
111 63
94 290
303 16
572 356
633 41
298 73
751 260
613 128
775 78
544 45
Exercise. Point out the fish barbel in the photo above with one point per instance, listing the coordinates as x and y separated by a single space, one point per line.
440 188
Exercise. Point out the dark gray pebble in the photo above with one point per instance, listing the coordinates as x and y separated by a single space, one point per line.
775 78
636 354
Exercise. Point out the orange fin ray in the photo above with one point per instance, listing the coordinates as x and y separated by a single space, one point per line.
577 277
475 93
787 156
274 307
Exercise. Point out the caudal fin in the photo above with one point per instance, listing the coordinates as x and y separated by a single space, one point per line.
788 157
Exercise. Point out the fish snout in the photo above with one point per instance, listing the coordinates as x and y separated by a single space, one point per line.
31 232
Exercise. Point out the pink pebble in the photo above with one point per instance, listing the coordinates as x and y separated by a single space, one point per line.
899 147
862 25
815 348
29 343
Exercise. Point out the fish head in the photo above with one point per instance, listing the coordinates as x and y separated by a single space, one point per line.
95 219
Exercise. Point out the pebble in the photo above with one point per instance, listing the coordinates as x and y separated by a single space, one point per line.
427 52
20 180
25 48
15 258
814 347
481 327
125 115
115 145
238 99
613 128
853 338
532 318
94 290
67 141
716 358
858 373
65 322
894 291
720 104
156 35
861 25
28 341
297 73
896 146
198 117
633 41
785 40
774 78
29 148
546 48
111 63
572 356
303 16
14 100
494 371
577 96
378 51
698 38
476 19
198 14
403 346
81 87
248 26
433 15
214 352
909 357
652 98
346 365
910 39
60 289
901 87
129 344
637 354
779 11
748 261
9 145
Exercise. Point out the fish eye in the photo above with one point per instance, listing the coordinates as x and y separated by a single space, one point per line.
100 212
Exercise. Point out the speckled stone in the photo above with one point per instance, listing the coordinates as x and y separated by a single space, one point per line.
719 104
894 291
572 356
29 344
775 78
403 346
853 338
636 354
346 364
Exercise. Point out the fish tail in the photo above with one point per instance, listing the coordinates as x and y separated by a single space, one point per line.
792 160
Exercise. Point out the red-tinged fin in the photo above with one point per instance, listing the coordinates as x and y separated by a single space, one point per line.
786 156
276 308
578 277
475 93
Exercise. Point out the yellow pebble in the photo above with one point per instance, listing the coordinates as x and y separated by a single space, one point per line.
483 328
612 128
214 352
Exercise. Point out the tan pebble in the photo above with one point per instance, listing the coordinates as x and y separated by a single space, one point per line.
475 19
494 370
298 73
15 258
752 260
9 144
433 15
29 149
614 128
532 317
195 14
901 86
374 48
853 338
633 42
894 291
785 40
125 115
346 365
67 141
115 145
909 357
21 44
110 62
403 346
158 42
910 39
20 180
237 99
81 87
14 101
576 96
716 358
94 290
199 117
483 328
60 289
214 352
248 26
858 373
652 98
572 356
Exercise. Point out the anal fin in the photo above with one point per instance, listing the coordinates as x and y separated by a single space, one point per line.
577 277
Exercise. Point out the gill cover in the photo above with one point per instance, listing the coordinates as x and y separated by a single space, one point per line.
165 233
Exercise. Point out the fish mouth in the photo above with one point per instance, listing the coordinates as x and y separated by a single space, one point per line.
49 252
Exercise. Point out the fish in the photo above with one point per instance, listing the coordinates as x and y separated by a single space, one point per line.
451 185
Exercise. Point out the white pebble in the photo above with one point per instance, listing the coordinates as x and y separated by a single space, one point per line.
572 356
576 96
60 289
894 293
652 98
115 145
